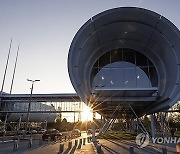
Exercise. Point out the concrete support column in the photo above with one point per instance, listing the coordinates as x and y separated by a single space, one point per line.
153 125
45 124
126 125
94 127
132 126
162 118
102 121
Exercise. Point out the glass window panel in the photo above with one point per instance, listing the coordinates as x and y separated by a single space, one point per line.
93 73
104 60
118 69
94 77
153 76
145 69
117 77
129 77
102 78
96 64
142 78
117 65
116 56
128 65
150 63
141 60
129 56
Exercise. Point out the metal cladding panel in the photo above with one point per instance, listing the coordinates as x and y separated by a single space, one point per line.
84 32
133 92
126 14
116 31
135 28
34 117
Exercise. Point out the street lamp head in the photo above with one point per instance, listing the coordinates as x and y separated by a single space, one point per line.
32 80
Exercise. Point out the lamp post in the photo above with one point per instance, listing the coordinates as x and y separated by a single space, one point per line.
75 111
29 106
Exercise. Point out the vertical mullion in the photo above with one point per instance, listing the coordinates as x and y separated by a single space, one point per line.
98 80
123 66
110 69
135 66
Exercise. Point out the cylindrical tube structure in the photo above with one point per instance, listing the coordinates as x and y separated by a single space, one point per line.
23 107
126 55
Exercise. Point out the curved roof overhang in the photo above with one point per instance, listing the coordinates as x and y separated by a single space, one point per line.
128 27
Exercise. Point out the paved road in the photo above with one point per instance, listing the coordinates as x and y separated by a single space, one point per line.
54 148
108 146
7 146
120 146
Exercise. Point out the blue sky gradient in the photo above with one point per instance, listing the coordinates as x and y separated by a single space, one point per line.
45 29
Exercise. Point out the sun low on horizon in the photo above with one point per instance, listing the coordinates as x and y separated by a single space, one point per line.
87 114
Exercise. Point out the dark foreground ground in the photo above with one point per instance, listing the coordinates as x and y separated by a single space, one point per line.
108 144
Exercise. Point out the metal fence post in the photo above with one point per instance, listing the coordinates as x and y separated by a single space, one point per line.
84 141
99 150
16 145
76 142
40 142
164 150
30 143
131 150
61 148
49 140
69 144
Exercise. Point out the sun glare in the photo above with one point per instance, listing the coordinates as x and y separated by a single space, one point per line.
87 114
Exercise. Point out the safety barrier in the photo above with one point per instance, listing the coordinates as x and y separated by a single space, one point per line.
40 142
16 145
61 148
98 147
164 150
49 140
84 141
69 144
76 142
30 143
131 150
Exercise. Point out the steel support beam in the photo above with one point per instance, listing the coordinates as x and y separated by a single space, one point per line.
94 127
153 126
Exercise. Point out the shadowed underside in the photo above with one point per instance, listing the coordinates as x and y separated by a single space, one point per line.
126 57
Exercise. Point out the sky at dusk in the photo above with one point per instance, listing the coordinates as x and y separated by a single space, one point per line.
45 29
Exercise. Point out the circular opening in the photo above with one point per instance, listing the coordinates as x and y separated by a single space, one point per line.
123 68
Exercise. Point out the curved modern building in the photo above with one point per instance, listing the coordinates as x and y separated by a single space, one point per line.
126 57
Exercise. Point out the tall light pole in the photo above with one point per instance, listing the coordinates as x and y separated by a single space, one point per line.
29 106
75 112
